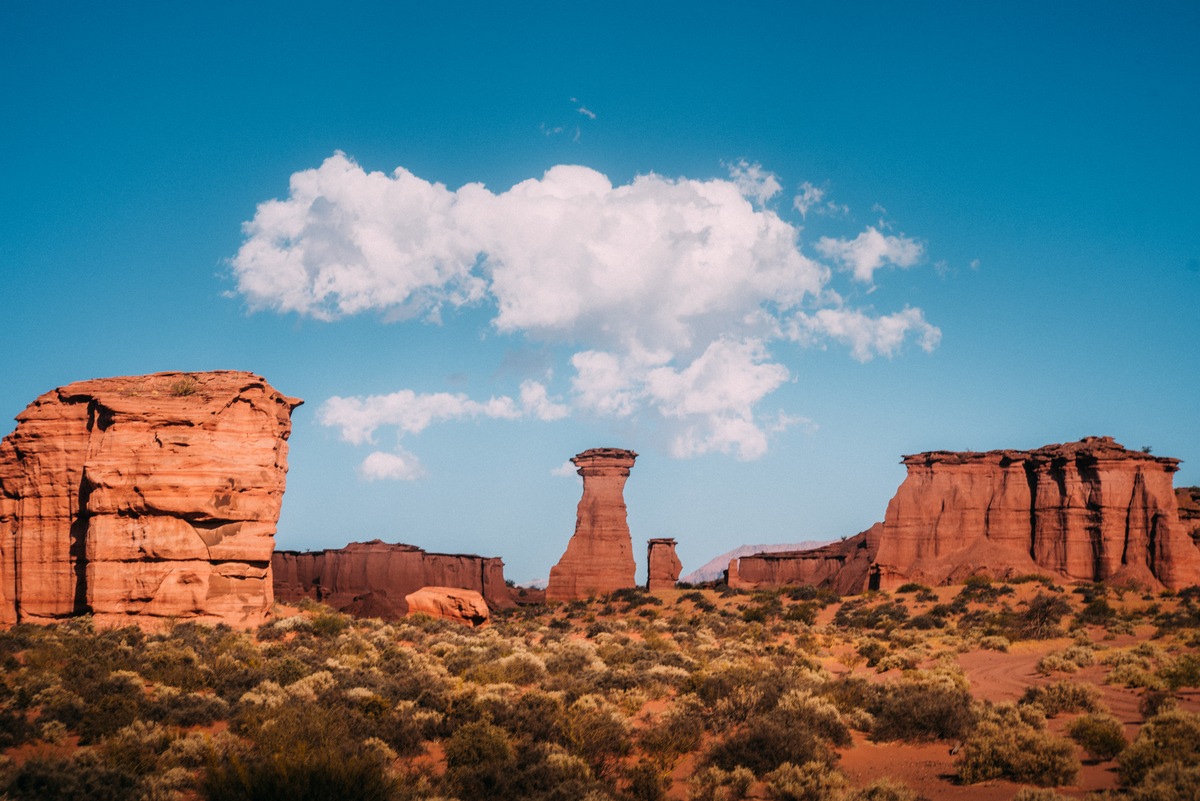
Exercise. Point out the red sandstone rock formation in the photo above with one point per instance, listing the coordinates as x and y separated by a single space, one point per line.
662 565
599 557
1083 511
842 566
450 603
1088 511
371 579
1189 510
141 498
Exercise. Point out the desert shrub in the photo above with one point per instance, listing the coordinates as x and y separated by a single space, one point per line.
678 732
714 784
1011 742
186 709
859 613
812 781
697 598
1097 612
1038 794
633 597
480 760
911 587
994 643
84 777
15 728
1182 671
789 733
1055 663
1041 617
645 782
884 790
920 709
301 775
1062 696
1131 675
1169 782
981 589
872 650
898 660
1154 701
597 732
1100 734
1169 737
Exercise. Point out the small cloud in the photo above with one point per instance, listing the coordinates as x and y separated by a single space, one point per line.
591 115
565 469
809 197
974 265
755 183
380 466
871 250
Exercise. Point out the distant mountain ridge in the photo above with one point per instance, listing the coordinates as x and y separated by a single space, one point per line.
712 570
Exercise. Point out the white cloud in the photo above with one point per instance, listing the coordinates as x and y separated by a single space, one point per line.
871 250
754 182
867 336
409 412
667 293
809 197
380 466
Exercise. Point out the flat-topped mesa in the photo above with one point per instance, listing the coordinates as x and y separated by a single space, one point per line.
599 557
143 498
662 564
1089 511
372 579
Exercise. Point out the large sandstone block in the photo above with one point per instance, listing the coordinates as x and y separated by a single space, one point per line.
599 556
144 498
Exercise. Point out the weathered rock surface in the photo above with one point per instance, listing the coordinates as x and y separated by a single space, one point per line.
841 566
372 579
662 564
1081 511
1188 499
450 603
599 556
1088 511
144 497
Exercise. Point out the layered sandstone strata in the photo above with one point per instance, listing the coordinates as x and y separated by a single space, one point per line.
599 556
372 579
143 498
662 564
1089 511
1082 511
842 566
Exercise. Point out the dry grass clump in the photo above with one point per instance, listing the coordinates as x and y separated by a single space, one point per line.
1062 696
1100 734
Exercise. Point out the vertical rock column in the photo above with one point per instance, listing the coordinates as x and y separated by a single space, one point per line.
662 565
599 557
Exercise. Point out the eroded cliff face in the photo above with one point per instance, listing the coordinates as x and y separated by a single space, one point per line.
142 498
1088 511
372 579
599 556
1188 499
842 566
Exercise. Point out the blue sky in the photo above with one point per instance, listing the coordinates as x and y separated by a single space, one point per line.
771 248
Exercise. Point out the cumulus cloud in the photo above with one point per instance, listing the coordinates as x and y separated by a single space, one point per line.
871 250
867 336
665 293
402 466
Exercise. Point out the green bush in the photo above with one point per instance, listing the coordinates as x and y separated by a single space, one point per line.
1171 737
1062 696
1100 734
302 775
1041 617
1169 782
84 777
921 709
812 781
1011 742
480 761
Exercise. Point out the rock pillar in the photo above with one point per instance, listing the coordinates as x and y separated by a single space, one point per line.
599 557
662 565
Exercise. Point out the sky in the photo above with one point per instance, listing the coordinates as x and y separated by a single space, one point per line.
770 247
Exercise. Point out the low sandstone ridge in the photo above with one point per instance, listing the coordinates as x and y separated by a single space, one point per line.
143 498
1090 510
373 579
